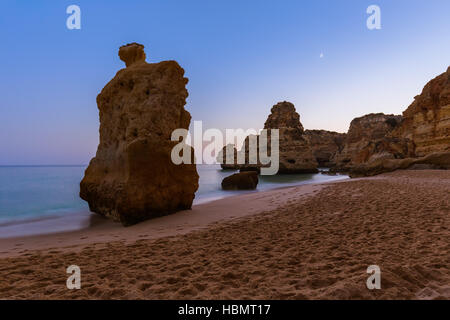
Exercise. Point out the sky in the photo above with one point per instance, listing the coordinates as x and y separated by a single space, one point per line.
241 58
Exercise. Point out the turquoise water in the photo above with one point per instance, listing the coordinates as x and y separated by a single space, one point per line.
42 199
39 192
211 177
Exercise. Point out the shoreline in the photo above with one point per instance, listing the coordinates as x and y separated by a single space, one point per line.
201 216
83 219
303 242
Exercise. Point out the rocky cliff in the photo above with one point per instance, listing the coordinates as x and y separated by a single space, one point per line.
425 127
426 121
325 145
132 177
370 138
435 160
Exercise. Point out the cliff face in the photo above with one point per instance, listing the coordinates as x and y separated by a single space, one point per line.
370 138
325 145
426 128
378 143
132 177
427 120
435 160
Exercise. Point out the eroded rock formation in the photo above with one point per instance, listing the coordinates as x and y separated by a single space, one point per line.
427 120
132 53
325 145
227 157
283 115
436 160
295 152
426 128
370 138
420 138
241 181
132 177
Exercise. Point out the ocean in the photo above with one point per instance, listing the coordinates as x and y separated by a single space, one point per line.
44 199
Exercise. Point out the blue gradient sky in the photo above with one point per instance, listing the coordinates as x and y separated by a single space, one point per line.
241 58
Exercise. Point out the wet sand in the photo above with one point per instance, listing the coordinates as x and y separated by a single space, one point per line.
305 242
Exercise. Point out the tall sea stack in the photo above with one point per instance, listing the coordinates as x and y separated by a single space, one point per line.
295 152
132 177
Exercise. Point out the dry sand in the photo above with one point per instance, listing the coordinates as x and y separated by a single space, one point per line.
306 242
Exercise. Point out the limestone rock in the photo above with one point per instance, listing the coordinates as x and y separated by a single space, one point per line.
427 120
369 138
325 145
132 177
251 163
132 53
437 160
378 142
241 181
227 157
295 152
283 115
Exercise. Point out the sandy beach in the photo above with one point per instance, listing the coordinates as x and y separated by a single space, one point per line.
305 242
